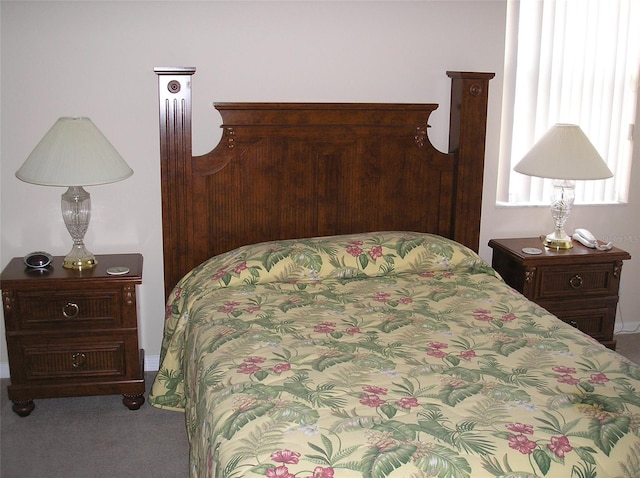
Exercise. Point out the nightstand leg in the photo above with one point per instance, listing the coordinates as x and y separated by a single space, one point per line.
133 402
23 407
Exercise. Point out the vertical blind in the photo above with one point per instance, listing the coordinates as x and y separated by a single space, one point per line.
570 61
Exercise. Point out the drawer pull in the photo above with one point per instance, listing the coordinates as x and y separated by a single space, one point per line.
70 310
576 281
573 323
78 360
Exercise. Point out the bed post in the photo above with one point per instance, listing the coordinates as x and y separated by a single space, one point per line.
174 89
467 133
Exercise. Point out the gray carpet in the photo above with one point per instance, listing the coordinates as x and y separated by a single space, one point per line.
629 346
99 437
92 436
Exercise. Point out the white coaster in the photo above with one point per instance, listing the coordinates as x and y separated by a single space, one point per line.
117 271
534 251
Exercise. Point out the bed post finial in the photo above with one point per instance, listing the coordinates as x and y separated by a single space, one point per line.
467 134
174 90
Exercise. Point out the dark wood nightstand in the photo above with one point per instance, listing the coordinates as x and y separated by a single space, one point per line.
72 333
578 285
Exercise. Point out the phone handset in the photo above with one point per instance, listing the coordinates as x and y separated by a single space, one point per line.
587 239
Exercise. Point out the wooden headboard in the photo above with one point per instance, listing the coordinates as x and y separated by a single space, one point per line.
293 170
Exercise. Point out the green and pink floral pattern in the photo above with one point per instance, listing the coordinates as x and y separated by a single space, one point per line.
390 354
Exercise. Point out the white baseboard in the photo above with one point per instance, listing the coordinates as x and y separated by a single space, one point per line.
627 328
151 364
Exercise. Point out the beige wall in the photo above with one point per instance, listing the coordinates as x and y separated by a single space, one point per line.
96 59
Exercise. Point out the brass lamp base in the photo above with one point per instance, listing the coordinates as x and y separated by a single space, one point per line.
81 265
79 259
558 243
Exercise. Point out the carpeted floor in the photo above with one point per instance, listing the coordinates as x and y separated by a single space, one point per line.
99 437
629 346
92 437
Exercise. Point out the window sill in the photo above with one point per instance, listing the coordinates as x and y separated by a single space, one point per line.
508 205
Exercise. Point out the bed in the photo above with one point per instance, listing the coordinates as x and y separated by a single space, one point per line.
328 315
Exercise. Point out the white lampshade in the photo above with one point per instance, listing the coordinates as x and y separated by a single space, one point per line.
564 152
74 153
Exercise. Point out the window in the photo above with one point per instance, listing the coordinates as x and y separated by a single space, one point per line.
570 61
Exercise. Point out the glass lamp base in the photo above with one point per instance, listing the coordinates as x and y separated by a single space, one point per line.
79 259
552 241
562 197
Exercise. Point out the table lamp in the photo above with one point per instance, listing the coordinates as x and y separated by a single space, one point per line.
565 155
74 153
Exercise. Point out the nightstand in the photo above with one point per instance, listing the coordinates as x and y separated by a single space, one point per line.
73 333
578 285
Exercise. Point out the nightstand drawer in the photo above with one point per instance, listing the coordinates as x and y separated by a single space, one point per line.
100 356
595 317
574 281
68 308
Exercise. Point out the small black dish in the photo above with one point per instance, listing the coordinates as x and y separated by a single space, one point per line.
38 260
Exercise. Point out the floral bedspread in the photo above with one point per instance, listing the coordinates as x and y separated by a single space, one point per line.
388 354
